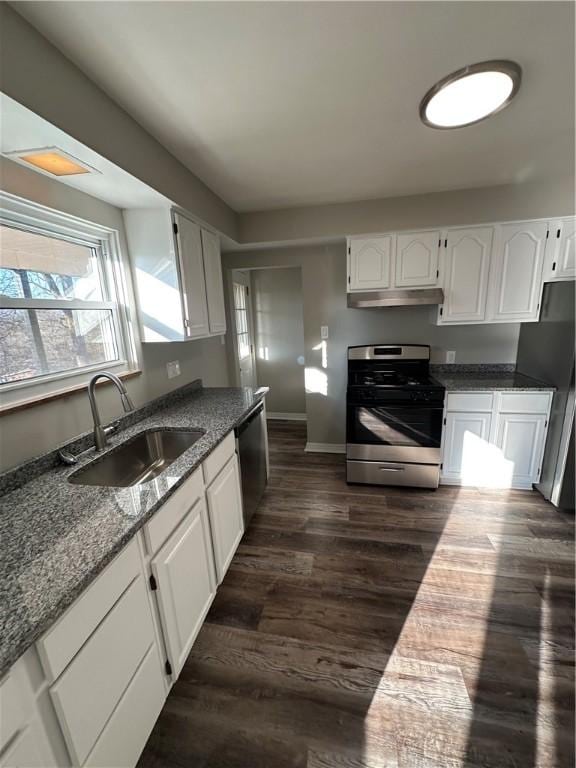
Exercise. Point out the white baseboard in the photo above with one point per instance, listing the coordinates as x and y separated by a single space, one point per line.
286 416
325 448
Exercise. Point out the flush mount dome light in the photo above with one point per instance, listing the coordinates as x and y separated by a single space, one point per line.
471 94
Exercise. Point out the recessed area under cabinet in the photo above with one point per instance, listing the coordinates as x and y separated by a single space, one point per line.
492 273
177 275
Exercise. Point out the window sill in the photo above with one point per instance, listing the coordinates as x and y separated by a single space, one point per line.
21 405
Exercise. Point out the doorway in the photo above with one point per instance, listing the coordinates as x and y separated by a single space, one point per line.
268 332
243 329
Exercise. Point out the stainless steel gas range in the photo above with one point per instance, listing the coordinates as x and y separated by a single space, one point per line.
393 417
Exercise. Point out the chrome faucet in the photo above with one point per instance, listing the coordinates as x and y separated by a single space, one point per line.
100 432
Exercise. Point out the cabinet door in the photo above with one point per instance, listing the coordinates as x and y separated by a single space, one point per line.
225 508
29 750
466 275
184 572
192 268
466 450
214 284
516 272
561 250
520 440
370 262
417 259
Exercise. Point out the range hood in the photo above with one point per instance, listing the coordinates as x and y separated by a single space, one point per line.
404 297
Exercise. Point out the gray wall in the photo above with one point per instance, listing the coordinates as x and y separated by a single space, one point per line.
37 75
548 197
279 329
324 298
37 429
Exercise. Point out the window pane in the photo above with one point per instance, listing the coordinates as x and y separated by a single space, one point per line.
35 342
34 266
243 346
239 296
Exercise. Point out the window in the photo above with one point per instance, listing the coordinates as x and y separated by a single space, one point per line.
61 311
241 312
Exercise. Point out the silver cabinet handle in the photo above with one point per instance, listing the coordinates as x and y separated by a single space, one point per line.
391 469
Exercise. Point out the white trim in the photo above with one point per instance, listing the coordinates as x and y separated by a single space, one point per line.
325 448
287 416
34 217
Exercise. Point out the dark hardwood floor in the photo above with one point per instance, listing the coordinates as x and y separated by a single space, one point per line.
381 628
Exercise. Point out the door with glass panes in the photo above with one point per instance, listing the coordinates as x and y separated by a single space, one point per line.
244 330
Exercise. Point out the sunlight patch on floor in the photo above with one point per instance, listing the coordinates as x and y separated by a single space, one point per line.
429 676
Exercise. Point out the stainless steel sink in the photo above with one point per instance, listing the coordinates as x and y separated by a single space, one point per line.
138 460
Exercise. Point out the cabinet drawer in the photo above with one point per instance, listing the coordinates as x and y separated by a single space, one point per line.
11 709
469 401
219 458
88 691
61 643
159 528
127 731
524 402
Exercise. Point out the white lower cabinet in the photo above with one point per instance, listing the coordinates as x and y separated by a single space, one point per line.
466 445
520 440
184 573
126 732
226 521
494 440
90 690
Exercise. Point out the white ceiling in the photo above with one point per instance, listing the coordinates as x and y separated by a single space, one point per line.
279 104
22 129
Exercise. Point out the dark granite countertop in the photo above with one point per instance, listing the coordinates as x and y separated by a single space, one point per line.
55 537
458 378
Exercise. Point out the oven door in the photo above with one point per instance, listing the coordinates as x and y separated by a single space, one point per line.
404 432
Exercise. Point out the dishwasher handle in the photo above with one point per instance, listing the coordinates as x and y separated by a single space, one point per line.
249 419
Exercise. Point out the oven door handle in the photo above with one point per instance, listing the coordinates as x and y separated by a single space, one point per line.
392 468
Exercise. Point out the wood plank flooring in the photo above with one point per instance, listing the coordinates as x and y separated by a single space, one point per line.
363 627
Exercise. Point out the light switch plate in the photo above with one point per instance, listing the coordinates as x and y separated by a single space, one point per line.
450 356
323 331
173 369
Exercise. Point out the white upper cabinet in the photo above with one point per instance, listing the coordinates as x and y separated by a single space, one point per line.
489 274
417 259
466 275
370 262
561 251
516 272
177 275
191 263
214 282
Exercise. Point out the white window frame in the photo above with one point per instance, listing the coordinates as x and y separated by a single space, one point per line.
32 217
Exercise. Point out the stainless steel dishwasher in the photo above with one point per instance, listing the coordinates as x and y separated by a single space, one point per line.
251 449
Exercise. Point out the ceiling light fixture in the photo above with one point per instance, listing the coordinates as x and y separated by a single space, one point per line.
52 161
471 94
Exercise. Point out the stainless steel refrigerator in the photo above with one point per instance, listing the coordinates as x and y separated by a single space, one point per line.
546 352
